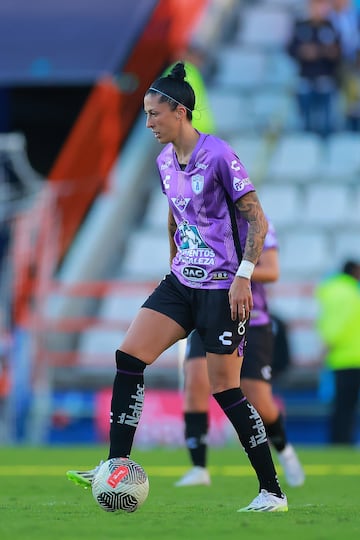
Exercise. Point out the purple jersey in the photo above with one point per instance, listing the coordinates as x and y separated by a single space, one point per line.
259 313
201 198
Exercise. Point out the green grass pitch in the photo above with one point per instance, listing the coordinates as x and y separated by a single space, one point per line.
38 502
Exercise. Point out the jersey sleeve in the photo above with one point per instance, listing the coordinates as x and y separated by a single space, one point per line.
271 241
233 174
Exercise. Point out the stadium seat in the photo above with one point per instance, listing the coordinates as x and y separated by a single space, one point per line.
356 207
157 211
231 111
328 205
281 71
282 203
97 346
304 254
240 68
342 158
251 150
147 256
120 307
346 244
298 157
274 109
267 26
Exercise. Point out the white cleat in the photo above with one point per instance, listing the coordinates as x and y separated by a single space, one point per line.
267 502
294 473
197 476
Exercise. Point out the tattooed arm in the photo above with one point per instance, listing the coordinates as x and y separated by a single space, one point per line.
251 210
240 296
171 231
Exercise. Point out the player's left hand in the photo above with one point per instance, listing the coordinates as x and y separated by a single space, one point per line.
240 299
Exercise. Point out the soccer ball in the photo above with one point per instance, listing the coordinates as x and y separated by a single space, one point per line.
120 484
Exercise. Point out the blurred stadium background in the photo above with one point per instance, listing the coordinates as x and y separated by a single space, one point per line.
83 222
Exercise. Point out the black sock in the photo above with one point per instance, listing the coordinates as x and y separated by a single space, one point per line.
126 403
196 427
251 432
276 433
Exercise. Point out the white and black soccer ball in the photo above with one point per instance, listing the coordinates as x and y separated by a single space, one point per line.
120 484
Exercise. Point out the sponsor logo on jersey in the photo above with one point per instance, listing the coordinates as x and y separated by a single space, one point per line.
194 273
192 248
197 183
190 237
235 165
180 202
165 165
166 181
201 166
219 276
240 183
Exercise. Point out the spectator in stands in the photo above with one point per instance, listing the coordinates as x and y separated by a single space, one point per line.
338 325
346 20
315 47
351 90
256 374
214 220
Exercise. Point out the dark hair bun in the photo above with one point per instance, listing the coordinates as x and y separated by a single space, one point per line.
178 71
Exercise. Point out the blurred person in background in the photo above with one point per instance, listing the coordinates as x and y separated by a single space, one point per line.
315 47
195 61
346 19
256 375
338 324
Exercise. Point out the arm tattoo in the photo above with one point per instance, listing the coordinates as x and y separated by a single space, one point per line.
251 210
171 232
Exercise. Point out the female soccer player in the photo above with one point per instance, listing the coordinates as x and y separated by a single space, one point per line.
255 380
216 230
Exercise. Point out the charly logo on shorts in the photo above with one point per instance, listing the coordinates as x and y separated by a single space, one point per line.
266 372
194 273
224 338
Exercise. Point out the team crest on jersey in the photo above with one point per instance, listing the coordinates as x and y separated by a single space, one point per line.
197 183
240 183
180 202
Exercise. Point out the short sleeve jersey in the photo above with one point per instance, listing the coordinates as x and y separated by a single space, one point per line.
211 234
260 314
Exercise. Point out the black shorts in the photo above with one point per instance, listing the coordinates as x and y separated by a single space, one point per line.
206 310
258 352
